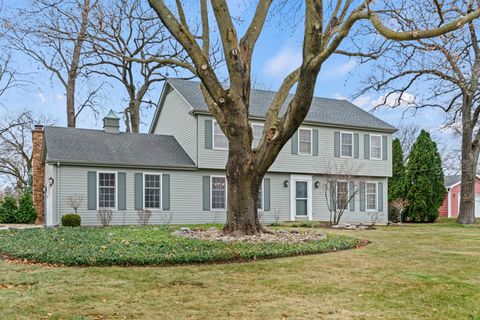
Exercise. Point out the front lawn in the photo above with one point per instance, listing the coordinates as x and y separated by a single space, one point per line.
145 246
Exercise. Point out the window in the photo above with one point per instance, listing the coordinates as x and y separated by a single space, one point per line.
342 195
107 190
346 143
376 147
219 193
260 198
257 130
219 140
371 196
301 198
305 141
152 183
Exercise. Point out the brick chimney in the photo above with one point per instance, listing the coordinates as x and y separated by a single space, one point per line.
38 173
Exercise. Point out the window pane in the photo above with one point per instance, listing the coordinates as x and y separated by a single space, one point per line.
301 207
301 189
371 196
260 198
257 130
347 144
305 141
219 139
342 195
106 190
376 147
152 191
218 192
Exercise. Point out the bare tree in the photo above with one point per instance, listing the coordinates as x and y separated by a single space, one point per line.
16 149
340 187
399 205
144 217
53 33
326 25
105 216
74 201
445 72
131 47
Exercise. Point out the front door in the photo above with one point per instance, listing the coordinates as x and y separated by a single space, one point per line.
301 197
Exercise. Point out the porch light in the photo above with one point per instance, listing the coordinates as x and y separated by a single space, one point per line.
285 183
317 184
51 181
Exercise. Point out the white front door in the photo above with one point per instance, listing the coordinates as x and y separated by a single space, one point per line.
300 197
477 206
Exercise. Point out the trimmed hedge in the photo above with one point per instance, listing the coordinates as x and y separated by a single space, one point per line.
71 220
150 245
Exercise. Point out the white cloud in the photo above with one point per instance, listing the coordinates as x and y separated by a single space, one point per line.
345 68
285 61
41 97
59 97
394 100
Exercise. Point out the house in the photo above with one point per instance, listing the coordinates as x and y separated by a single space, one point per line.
177 169
451 204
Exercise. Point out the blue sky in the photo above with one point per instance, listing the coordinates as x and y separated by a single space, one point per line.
278 51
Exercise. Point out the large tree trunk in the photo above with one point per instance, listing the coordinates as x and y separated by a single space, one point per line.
71 119
134 116
469 167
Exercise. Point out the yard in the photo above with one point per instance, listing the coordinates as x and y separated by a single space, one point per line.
410 272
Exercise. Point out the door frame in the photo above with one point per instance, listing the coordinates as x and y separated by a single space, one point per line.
49 206
293 207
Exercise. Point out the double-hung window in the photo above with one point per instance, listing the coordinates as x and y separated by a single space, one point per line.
346 144
371 196
219 193
220 141
107 190
260 198
257 130
305 141
375 147
342 195
152 191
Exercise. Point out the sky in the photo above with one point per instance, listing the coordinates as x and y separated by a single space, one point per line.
277 53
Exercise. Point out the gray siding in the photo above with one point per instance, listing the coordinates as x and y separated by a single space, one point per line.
324 163
186 198
175 120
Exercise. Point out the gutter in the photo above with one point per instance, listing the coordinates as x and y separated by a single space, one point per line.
92 164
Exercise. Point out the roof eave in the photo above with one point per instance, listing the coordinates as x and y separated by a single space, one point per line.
118 165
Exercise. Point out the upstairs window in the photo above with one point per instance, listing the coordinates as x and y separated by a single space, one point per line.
305 141
346 147
152 191
219 193
107 190
375 147
371 196
219 140
257 130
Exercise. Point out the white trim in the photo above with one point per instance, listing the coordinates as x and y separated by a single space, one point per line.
49 205
211 193
213 136
262 188
293 207
353 144
449 202
311 142
381 147
161 190
366 196
459 196
98 189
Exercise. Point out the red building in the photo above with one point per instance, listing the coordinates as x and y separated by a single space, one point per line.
451 203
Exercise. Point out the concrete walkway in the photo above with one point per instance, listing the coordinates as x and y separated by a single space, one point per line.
19 226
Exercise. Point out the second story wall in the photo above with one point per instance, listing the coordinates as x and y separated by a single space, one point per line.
324 153
175 119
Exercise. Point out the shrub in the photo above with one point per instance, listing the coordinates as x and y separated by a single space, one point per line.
105 216
26 212
71 220
144 217
7 209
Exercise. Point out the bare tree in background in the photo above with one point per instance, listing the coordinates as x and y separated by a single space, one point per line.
326 25
53 33
133 48
340 187
16 148
445 73
74 201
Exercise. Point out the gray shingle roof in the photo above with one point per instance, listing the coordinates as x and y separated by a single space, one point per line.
451 180
324 111
88 146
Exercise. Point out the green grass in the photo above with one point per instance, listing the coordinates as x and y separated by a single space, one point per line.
408 272
145 246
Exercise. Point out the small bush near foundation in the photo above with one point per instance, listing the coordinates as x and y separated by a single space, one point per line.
71 220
